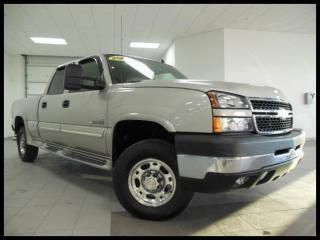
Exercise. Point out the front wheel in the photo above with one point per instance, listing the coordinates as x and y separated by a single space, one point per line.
146 181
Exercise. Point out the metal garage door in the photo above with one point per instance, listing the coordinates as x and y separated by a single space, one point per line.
38 71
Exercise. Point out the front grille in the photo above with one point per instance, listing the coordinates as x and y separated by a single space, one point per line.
270 124
272 117
269 105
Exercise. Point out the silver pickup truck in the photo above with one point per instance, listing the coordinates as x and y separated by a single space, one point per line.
162 135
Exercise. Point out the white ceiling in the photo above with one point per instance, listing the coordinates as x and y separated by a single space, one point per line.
93 28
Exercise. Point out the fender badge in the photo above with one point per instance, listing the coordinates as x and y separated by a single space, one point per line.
98 121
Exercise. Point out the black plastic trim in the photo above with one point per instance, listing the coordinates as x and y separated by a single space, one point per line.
235 145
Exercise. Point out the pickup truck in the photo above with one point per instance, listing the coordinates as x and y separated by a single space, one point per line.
162 135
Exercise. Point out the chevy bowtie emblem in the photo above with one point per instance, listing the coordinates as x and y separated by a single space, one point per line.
283 113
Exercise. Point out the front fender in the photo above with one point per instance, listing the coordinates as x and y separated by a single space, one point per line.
175 109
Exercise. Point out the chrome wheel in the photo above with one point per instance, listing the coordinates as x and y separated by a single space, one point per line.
22 144
152 182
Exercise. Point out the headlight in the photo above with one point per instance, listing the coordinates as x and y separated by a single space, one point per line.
231 124
224 100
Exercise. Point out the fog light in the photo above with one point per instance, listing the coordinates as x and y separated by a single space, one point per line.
241 180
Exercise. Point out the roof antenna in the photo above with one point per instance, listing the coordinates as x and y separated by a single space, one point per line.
121 34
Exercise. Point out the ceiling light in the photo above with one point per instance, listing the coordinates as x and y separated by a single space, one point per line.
43 40
144 45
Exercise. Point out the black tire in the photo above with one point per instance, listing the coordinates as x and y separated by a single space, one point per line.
150 148
31 152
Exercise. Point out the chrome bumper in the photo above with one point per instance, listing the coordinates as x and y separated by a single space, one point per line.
194 166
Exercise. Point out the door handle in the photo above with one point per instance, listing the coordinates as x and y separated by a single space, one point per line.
65 103
44 104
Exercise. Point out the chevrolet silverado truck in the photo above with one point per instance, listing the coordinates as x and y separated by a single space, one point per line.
162 135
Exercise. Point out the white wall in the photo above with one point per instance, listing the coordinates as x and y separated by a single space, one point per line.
14 86
201 56
283 60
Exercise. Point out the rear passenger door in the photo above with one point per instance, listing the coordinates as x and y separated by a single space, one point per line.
49 110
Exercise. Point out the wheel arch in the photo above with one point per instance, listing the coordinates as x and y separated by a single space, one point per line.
18 123
129 131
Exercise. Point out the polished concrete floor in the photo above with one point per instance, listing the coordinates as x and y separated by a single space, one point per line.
55 196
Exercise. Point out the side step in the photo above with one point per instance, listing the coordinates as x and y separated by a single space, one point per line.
86 158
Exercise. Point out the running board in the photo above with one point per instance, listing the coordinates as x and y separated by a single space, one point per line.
85 158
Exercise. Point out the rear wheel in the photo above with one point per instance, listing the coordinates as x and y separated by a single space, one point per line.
146 181
27 152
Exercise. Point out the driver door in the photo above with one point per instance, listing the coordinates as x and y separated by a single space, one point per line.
84 113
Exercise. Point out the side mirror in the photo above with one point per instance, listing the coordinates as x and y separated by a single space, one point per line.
72 80
100 83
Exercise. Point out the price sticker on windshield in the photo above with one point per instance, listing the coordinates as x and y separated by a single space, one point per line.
116 58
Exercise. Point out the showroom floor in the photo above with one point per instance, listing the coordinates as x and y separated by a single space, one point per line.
54 196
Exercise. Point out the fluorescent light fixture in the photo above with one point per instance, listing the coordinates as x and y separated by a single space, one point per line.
144 45
43 40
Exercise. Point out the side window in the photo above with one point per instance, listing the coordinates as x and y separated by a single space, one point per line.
57 83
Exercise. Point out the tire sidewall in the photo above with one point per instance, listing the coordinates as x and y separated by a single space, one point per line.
156 149
20 133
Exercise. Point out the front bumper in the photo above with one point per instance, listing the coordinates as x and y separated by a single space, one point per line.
213 163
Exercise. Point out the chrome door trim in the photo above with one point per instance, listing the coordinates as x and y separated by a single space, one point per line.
83 130
49 126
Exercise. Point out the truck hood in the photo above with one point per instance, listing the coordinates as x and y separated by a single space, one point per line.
243 89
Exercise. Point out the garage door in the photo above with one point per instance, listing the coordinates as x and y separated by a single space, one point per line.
39 70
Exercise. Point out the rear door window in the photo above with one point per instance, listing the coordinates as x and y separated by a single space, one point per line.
57 83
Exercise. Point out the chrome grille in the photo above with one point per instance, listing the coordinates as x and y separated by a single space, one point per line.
271 117
266 124
269 105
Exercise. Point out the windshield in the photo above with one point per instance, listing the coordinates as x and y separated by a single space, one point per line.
130 69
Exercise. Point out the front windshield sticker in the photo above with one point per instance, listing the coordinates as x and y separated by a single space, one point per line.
116 58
